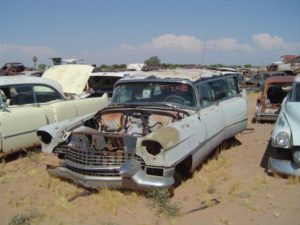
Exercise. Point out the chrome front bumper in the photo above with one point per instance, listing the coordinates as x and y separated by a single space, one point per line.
131 176
285 167
266 117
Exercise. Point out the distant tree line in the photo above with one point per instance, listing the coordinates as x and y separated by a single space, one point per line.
152 63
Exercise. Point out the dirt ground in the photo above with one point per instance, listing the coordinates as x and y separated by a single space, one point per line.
232 189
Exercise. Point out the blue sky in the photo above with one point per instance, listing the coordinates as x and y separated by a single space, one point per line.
117 31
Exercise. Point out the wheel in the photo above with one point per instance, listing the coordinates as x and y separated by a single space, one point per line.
258 108
257 113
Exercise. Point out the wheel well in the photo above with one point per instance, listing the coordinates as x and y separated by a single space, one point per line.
184 167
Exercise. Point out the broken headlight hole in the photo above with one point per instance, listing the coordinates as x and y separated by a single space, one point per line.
152 147
44 137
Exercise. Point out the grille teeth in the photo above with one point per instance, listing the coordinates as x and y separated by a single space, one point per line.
96 162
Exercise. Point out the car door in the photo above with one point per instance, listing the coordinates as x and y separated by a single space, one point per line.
20 119
233 105
211 114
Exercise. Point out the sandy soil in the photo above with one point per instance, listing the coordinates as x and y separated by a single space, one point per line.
246 193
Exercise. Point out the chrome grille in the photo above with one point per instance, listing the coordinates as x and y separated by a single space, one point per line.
97 162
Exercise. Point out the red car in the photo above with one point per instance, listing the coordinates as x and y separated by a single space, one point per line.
268 104
12 68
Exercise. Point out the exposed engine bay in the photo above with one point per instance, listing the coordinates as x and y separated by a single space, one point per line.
109 139
136 122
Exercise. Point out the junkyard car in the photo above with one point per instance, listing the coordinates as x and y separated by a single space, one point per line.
157 125
12 68
78 80
268 104
258 80
103 82
295 65
285 158
28 103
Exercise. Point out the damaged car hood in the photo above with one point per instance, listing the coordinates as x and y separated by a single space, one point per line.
73 78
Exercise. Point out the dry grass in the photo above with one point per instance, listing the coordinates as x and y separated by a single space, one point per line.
27 218
160 200
251 206
235 189
111 200
212 173
292 180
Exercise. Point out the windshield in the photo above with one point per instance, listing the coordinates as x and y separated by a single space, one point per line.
154 92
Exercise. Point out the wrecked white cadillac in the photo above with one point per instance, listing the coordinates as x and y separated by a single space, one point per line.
156 126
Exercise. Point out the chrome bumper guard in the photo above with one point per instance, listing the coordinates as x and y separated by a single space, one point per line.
131 176
285 167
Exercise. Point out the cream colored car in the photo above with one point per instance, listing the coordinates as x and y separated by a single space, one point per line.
28 103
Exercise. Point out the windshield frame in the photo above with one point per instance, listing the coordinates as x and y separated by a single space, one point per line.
295 93
156 88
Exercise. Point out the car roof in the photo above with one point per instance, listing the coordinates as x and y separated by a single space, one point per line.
113 74
23 79
280 79
186 74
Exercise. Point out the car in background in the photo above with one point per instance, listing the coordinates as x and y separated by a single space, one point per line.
268 104
285 140
295 64
79 81
12 68
28 103
103 82
159 124
258 80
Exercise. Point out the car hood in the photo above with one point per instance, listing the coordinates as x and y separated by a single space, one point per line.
292 115
73 78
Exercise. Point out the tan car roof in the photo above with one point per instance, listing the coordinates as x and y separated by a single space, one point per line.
189 74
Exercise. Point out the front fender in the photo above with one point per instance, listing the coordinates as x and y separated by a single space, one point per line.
281 125
56 133
168 137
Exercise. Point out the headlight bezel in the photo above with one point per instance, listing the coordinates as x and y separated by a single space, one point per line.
282 139
282 134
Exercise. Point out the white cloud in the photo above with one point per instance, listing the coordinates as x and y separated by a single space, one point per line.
188 44
266 41
27 50
227 44
172 42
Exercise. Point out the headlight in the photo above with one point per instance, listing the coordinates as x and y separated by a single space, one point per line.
282 139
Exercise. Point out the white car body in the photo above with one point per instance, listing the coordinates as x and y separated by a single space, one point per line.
285 158
157 124
28 103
